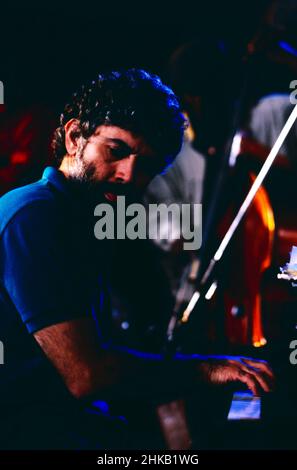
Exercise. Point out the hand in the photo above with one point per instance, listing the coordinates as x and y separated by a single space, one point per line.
254 373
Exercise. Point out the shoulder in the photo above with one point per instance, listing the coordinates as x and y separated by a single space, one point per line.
35 198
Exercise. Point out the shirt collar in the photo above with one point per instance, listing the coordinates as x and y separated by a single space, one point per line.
73 191
55 177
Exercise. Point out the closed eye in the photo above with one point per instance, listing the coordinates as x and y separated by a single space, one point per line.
120 151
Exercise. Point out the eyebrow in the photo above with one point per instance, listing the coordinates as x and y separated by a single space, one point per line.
121 143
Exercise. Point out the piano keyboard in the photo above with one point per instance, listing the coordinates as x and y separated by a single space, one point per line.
245 406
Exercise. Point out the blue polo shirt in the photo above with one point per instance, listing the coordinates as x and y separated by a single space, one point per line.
52 269
48 274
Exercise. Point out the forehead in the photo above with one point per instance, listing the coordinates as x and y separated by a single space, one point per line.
115 134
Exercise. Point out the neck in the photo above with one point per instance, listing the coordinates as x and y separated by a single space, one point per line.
66 166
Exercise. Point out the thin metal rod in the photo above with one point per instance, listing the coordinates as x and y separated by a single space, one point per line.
244 207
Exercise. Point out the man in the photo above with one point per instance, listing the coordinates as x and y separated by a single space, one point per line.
114 136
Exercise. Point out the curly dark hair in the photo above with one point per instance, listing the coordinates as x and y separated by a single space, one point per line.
132 99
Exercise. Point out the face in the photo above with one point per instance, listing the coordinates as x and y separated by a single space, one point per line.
114 158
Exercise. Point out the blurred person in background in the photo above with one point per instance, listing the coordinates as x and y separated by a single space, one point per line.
199 72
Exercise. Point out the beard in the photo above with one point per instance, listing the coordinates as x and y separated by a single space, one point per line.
81 171
83 176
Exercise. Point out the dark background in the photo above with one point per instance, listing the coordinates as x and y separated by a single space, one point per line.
48 49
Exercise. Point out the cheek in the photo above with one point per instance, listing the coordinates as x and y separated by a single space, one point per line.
93 157
91 153
102 171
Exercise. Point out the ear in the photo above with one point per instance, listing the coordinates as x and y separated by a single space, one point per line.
72 135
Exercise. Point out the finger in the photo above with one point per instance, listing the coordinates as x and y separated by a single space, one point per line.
257 365
257 372
262 365
249 381
264 382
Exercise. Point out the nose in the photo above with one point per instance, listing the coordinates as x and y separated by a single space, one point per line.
125 169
